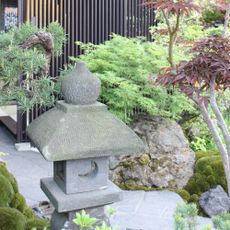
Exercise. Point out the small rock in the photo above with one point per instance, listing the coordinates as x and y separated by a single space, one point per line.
215 201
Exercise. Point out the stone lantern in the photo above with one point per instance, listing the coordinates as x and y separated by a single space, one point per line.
78 136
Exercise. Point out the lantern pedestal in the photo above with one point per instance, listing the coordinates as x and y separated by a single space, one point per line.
66 205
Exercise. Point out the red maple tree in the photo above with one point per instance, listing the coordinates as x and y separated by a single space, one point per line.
169 8
200 79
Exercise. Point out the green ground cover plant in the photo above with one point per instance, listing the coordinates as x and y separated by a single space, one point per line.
85 222
185 218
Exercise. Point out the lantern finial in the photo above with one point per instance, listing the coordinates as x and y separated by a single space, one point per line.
80 86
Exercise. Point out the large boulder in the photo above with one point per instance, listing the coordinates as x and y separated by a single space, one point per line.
215 201
167 163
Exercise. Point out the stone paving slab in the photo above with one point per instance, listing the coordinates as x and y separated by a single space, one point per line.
146 210
28 168
138 209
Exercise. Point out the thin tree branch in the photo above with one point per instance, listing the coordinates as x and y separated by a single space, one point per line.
167 22
177 23
45 40
221 122
220 145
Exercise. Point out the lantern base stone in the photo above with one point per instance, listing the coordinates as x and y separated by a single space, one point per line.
70 202
65 220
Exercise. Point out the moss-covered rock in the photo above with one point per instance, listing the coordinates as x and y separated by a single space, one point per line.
14 213
130 185
37 223
28 213
194 198
6 192
201 154
11 219
18 202
183 193
209 173
4 171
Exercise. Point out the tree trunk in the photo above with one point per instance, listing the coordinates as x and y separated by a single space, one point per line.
220 119
170 51
45 40
220 145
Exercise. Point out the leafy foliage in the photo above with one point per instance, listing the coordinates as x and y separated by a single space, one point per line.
170 10
86 222
185 217
83 220
193 77
222 221
25 64
207 73
186 214
179 7
125 67
212 16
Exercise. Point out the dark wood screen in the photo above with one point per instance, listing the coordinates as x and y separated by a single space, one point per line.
86 21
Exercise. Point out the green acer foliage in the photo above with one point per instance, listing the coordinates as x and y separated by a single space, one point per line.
125 67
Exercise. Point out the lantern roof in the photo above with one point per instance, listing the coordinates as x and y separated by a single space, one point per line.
80 127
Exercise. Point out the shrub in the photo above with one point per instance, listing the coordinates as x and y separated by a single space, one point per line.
125 66
21 61
18 202
212 16
11 219
185 217
9 176
222 221
36 223
28 213
6 192
184 194
14 213
194 198
209 173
